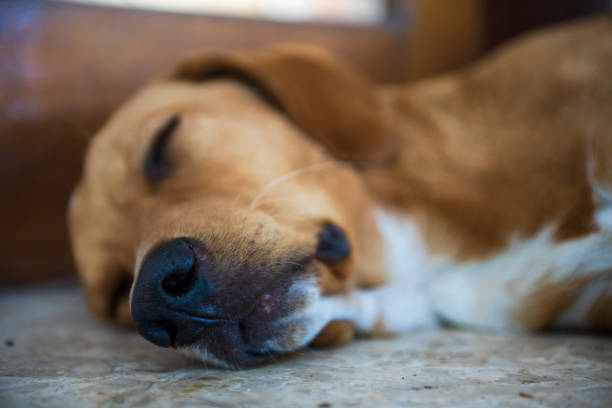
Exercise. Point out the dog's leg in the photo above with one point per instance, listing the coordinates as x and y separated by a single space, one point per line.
402 304
534 284
538 283
388 310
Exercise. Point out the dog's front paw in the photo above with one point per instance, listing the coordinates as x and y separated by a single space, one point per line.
337 333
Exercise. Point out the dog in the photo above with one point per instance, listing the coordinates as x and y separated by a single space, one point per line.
247 205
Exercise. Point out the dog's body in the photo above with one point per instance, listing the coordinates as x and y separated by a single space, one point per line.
482 198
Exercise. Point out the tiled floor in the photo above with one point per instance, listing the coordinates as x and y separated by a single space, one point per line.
54 354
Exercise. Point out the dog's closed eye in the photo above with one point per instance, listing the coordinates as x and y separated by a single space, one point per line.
157 160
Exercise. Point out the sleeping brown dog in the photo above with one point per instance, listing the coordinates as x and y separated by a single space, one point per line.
261 202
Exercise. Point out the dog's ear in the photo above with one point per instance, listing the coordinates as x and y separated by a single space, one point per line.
334 104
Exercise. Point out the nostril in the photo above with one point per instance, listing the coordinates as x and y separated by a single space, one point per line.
170 268
168 303
178 283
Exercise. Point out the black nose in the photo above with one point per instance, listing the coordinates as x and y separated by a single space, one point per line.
168 302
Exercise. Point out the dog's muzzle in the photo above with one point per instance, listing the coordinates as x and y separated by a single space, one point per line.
182 298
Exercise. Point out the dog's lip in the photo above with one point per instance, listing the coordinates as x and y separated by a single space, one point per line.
203 319
263 355
245 352
263 324
300 270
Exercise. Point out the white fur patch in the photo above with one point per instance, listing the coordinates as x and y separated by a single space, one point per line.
481 294
486 293
399 312
205 356
396 310
601 196
407 255
400 306
304 325
603 200
604 217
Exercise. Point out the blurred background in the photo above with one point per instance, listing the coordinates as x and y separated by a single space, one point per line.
65 65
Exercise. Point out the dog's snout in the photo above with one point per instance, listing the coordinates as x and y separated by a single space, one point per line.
188 296
169 294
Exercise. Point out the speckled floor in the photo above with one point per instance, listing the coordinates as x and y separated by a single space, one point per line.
54 354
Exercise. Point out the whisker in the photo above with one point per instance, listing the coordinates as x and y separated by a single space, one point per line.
269 186
303 219
274 199
235 200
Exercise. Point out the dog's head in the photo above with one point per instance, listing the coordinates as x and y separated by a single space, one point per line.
223 197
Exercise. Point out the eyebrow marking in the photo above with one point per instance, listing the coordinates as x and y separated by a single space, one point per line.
157 161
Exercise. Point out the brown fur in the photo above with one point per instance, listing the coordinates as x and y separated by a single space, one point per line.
485 159
472 156
478 149
336 106
547 302
208 197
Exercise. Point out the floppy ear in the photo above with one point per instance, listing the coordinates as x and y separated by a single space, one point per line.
335 105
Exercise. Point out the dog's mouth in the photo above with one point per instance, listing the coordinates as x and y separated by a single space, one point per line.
228 314
239 309
278 324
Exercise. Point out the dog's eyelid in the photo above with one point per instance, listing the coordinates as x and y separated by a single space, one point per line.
156 164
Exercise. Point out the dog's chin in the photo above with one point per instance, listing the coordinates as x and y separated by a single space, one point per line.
283 321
